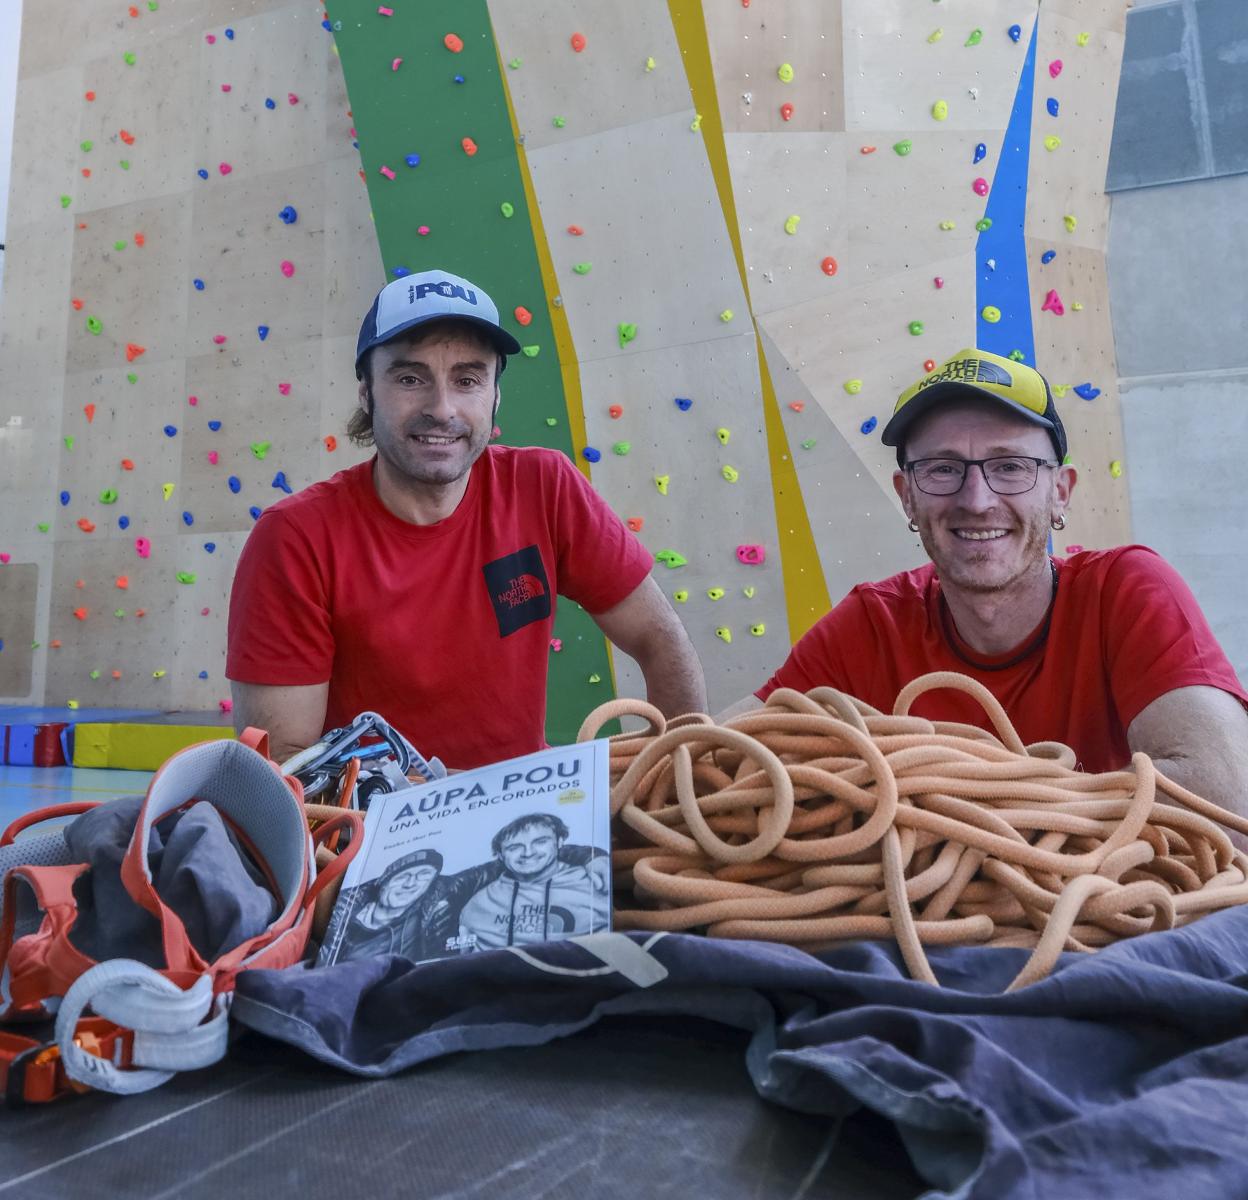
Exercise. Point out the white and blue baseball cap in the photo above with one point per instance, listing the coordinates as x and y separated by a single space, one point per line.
415 300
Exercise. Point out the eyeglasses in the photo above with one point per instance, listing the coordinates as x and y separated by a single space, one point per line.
1009 476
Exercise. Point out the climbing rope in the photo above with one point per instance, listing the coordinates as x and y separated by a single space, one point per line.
817 819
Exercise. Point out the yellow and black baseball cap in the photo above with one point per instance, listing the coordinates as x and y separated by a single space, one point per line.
1015 386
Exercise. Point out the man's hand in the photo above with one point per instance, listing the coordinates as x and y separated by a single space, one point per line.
293 717
645 626
600 874
1198 737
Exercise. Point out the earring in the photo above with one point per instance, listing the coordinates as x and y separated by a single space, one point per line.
1059 521
912 526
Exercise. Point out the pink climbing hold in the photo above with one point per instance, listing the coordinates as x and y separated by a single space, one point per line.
556 644
385 12
143 547
192 400
224 168
225 87
288 268
1053 303
213 457
980 186
1055 68
226 706
291 98
394 66
387 172
939 281
284 388
752 556
219 339
210 38
423 230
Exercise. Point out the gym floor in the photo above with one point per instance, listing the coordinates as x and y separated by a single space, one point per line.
25 788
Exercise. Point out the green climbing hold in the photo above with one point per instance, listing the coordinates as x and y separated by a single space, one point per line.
558 122
621 448
119 613
186 576
1017 356
530 351
119 245
670 559
69 442
131 377
87 145
582 268
108 496
43 526
507 209
627 331
808 444
515 63
552 421
974 38
260 449
903 147
95 674
129 57
65 201
94 325
983 223
595 678
916 328
124 164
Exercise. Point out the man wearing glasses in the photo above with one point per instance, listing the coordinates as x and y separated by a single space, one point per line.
1106 651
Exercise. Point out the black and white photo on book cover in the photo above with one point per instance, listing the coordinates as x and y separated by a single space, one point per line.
505 855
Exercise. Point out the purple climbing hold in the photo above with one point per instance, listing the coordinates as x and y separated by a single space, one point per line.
1015 32
1087 392
1051 105
981 152
1048 256
683 404
590 454
868 426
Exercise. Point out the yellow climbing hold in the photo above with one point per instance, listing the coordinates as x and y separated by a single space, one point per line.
681 596
748 593
651 64
785 73
935 36
726 315
661 482
730 473
1077 307
991 313
1115 468
723 435
1052 142
790 224
696 123
947 225
71 703
853 386
715 593
166 490
758 630
1071 221
159 673
1060 389
1083 39
724 633
940 110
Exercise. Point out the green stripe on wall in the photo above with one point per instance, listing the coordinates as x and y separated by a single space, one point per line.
420 109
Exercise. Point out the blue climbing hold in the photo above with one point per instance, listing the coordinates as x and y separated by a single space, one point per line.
123 522
269 101
187 519
202 173
199 284
263 331
981 152
683 404
868 426
1086 391
590 454
235 483
229 33
210 546
1051 105
255 513
412 160
399 272
171 431
214 425
325 25
203 674
1048 256
459 79
279 481
1015 32
64 499
288 215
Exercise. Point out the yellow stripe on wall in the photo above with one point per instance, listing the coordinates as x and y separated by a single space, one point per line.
805 589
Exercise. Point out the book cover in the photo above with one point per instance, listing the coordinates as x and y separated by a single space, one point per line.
504 855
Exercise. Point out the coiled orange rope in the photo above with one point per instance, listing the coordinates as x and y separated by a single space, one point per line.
818 819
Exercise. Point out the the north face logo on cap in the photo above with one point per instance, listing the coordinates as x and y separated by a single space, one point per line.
969 370
452 291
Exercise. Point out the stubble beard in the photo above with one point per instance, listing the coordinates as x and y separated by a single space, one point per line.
403 458
976 573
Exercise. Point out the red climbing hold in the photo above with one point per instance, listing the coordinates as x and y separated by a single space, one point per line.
453 42
829 266
578 42
523 315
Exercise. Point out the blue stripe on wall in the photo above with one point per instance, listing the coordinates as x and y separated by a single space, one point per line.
1006 287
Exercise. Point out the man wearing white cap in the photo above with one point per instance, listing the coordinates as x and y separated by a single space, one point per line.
421 584
1105 650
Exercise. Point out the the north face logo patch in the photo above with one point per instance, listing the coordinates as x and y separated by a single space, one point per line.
519 589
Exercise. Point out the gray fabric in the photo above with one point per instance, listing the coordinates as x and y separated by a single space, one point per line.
197 868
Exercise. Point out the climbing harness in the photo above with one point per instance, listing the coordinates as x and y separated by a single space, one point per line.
818 819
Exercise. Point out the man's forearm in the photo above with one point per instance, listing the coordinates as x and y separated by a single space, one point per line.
1219 782
675 684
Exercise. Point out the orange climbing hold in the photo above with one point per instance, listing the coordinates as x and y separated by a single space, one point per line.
133 351
127 464
453 42
126 136
85 525
331 443
575 230
635 523
798 405
77 304
523 315
55 643
90 96
615 412
140 239
470 147
81 613
123 582
866 149
829 266
578 42
89 410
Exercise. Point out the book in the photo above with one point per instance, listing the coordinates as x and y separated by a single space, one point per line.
504 855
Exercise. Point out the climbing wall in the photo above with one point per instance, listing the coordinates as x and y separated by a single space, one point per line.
727 234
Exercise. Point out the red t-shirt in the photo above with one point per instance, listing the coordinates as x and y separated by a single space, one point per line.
443 629
1125 630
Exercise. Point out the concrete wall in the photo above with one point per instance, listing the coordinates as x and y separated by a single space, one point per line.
1178 257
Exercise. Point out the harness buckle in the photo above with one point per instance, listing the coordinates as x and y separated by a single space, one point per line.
32 1072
